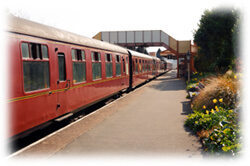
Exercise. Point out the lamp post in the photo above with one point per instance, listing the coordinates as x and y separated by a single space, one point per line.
188 60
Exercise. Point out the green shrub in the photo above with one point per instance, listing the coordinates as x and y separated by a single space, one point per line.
205 121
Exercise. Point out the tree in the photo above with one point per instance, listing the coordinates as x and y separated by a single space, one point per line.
214 38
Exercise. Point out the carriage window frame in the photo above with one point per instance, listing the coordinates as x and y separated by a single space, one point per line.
118 65
139 66
96 59
143 69
136 66
35 59
123 66
61 67
108 64
127 66
78 60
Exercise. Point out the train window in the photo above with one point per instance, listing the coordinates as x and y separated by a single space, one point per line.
126 65
79 66
79 72
140 66
109 65
35 51
61 67
36 74
73 54
45 52
143 66
133 66
77 54
108 57
123 64
25 50
96 65
118 66
96 56
136 66
118 58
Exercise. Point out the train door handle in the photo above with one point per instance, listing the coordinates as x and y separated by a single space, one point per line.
68 84
58 105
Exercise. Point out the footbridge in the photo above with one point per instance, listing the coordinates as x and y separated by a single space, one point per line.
148 38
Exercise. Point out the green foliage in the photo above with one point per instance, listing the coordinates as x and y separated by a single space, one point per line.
224 137
224 140
215 40
199 121
191 86
204 121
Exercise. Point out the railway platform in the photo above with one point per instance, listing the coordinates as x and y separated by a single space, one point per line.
148 121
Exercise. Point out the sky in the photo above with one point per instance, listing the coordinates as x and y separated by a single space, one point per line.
178 18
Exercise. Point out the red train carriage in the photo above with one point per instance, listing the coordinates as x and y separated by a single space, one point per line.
141 68
54 72
165 65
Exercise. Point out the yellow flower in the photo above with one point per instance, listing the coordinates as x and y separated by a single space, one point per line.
195 79
193 94
207 112
204 107
212 111
214 101
230 111
196 122
221 100
235 76
216 108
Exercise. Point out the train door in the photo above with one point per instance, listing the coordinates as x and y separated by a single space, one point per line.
123 71
130 61
62 85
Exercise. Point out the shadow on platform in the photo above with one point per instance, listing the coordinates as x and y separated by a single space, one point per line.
169 84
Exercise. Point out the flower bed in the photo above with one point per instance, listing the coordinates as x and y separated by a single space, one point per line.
215 118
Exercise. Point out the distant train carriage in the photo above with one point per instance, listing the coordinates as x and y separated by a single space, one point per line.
141 68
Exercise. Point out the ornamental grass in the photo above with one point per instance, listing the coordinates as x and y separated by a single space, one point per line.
221 88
